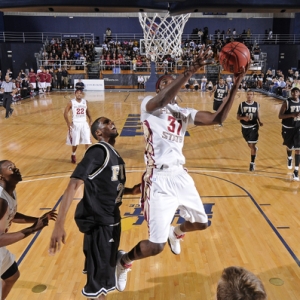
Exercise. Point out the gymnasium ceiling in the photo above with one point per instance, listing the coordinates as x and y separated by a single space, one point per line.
174 6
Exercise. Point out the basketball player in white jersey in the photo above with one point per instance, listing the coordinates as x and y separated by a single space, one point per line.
166 184
78 129
9 178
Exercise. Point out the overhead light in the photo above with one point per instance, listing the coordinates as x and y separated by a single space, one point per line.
50 9
70 17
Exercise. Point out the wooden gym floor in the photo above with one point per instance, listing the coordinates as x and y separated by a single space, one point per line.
254 217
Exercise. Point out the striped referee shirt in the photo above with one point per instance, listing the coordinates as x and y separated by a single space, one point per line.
8 86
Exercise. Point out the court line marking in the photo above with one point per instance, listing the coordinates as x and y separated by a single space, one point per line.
190 171
291 252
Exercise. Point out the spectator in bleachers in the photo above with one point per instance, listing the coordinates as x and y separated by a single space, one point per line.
296 76
108 34
286 91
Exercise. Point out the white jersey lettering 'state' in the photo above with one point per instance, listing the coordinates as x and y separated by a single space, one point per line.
164 131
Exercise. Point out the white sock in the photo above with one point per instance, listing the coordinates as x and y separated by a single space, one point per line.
296 168
177 231
74 153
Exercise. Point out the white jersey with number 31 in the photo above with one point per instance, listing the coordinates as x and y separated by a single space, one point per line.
164 131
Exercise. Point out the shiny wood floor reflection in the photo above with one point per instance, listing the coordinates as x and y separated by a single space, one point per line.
254 216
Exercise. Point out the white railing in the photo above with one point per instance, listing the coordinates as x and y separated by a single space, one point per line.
118 66
253 38
41 37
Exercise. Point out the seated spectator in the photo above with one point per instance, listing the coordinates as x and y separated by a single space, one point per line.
195 85
237 283
79 85
286 91
209 86
141 82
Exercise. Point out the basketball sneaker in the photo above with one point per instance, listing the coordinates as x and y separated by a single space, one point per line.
252 167
290 163
295 175
174 241
73 159
121 272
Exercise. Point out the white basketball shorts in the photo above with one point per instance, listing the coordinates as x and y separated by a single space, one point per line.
79 134
166 190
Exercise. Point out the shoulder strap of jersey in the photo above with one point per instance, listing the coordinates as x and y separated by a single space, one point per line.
106 160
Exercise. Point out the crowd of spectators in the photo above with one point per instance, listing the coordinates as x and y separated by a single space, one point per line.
129 55
275 83
66 53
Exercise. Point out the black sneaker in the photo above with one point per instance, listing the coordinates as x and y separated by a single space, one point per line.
289 163
252 167
295 175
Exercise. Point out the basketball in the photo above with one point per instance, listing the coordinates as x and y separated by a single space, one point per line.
233 56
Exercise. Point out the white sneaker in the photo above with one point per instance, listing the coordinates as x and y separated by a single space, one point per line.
295 175
121 272
174 241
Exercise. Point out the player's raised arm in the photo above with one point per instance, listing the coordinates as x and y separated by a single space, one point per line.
167 87
218 117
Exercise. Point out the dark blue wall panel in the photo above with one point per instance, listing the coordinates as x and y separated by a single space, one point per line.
124 25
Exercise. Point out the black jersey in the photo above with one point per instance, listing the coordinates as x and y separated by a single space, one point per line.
103 172
250 110
220 92
292 106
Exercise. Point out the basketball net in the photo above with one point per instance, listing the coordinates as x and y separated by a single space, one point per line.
162 34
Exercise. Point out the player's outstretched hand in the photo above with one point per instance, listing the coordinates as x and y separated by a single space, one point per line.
43 221
205 57
239 76
50 215
58 237
136 189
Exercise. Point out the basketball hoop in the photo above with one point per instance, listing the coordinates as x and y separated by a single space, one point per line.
162 34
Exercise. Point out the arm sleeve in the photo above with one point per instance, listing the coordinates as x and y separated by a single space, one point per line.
93 159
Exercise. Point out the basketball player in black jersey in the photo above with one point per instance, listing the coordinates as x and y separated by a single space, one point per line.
248 115
290 115
220 91
102 170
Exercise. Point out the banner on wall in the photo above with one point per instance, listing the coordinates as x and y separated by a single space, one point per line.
91 84
120 79
70 36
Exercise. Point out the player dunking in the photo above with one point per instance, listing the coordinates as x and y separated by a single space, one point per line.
166 184
78 129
